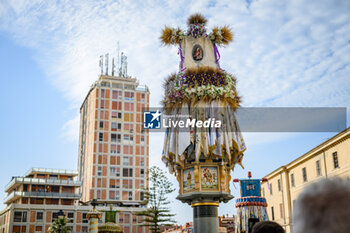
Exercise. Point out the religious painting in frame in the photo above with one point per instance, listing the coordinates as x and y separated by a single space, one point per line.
188 180
209 178
197 53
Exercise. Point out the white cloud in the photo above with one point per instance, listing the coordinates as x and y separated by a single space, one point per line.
285 53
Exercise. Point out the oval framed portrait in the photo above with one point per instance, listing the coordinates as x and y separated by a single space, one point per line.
197 53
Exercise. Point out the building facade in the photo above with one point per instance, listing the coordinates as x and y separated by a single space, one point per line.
34 200
113 147
329 159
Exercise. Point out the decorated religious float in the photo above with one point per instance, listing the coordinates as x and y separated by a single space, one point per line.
251 206
201 156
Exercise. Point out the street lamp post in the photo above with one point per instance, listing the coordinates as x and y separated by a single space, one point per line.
60 215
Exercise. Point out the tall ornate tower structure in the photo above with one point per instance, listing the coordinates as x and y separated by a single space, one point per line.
113 147
202 156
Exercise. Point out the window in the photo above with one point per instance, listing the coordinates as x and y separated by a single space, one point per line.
115 170
292 180
20 216
85 229
120 86
128 137
281 210
114 183
54 216
335 160
39 216
128 126
129 107
127 184
116 126
100 137
117 94
55 189
85 219
37 201
53 177
130 196
99 171
279 185
98 194
270 189
18 229
101 124
127 218
142 184
128 150
142 197
105 84
102 93
142 162
318 168
70 217
142 172
117 115
115 149
38 228
127 172
128 117
127 161
102 104
128 95
272 213
116 105
142 139
129 87
115 137
304 174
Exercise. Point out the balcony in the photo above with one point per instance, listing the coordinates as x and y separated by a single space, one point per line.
23 180
17 194
52 171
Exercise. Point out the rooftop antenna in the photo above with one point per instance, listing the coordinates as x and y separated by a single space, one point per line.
106 62
123 65
118 61
101 64
113 66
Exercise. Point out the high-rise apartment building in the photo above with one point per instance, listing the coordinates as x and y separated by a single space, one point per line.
113 147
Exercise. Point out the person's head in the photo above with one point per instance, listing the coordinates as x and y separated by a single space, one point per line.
267 227
323 207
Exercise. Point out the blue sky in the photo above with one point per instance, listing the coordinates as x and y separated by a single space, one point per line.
285 53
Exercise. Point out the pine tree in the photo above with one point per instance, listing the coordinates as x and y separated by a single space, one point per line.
158 211
59 226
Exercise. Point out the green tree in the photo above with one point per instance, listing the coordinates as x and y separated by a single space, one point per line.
59 226
158 211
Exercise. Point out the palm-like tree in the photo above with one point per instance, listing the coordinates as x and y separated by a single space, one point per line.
59 226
